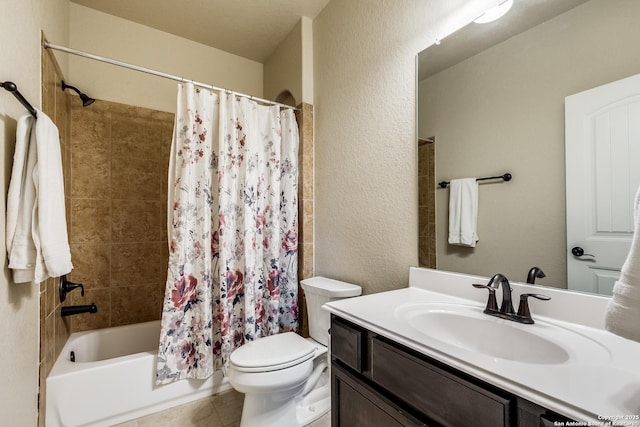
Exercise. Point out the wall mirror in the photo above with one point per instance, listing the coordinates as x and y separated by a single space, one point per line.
491 99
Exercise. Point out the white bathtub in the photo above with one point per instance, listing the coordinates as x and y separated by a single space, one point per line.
113 379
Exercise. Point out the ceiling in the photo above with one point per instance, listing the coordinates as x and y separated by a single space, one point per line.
474 38
248 28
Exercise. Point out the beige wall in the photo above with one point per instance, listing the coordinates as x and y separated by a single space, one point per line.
20 25
283 69
307 60
365 138
116 38
503 111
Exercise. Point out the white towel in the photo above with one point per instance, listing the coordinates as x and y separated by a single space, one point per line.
463 212
623 311
37 241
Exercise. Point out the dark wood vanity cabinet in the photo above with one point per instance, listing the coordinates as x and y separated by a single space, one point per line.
377 382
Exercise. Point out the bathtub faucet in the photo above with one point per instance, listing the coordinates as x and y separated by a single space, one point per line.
67 286
78 309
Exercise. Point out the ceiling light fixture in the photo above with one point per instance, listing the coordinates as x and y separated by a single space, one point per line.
494 13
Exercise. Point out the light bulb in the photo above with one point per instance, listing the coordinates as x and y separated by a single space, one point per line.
494 13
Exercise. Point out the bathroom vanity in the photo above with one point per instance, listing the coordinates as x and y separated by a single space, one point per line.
378 382
427 355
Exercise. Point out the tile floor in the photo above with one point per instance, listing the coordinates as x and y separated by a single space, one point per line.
222 410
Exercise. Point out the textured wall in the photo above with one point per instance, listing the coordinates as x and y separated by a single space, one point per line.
20 25
283 69
116 38
365 138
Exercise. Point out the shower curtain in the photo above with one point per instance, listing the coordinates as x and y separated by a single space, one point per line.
232 231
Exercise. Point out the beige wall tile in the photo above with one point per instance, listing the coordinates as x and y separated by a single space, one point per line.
135 137
91 177
306 259
92 265
138 264
138 179
62 330
134 304
90 221
49 342
90 128
136 220
306 221
82 322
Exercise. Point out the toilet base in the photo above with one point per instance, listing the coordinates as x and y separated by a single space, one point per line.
284 409
316 403
269 410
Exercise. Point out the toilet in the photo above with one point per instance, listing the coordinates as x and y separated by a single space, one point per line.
285 378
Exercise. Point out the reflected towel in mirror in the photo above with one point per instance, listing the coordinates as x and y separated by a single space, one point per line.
463 212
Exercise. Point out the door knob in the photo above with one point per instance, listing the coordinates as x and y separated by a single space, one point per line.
578 252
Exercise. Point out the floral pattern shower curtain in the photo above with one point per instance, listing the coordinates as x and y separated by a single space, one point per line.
232 229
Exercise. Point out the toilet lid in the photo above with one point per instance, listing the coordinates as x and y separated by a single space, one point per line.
272 353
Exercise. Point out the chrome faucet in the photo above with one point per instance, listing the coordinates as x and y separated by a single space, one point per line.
506 310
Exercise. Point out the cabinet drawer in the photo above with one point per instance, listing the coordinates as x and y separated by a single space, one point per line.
347 343
444 397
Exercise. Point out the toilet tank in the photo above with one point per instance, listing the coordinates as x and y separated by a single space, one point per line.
318 291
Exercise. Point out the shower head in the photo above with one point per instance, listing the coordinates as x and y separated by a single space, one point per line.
86 101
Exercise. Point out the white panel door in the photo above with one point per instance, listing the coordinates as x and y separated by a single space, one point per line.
603 173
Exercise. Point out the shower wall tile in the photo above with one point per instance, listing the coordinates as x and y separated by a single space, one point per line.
90 128
90 220
138 220
134 137
307 260
92 264
120 155
92 175
304 118
62 330
49 339
426 205
63 113
423 221
138 263
134 304
101 297
137 179
306 220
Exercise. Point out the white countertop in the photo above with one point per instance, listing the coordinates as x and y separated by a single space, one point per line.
604 383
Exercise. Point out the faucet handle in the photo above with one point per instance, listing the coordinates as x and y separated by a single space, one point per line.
492 304
523 309
67 286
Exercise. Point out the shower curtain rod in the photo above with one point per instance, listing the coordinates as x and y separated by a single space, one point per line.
48 45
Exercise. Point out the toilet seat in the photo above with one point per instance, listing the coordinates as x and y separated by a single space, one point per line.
272 353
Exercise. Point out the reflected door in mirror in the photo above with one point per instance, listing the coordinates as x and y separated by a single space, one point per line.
603 174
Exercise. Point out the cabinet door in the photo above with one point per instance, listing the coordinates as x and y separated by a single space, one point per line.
353 404
440 395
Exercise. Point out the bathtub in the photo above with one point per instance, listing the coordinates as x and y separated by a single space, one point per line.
113 379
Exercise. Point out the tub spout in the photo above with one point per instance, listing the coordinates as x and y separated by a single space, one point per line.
78 309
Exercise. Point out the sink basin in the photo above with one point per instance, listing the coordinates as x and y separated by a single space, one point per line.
468 328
